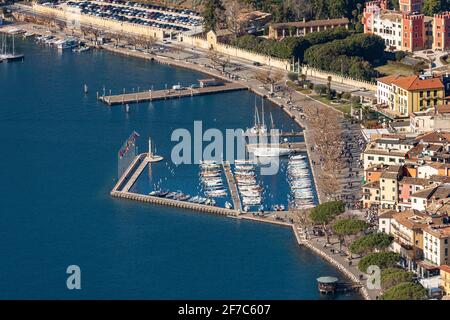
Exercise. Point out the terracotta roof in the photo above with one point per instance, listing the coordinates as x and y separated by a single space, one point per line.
372 185
442 231
425 193
412 219
443 179
389 79
389 175
434 137
387 214
445 268
414 181
377 167
415 83
443 108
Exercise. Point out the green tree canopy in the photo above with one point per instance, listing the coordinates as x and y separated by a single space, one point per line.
381 259
290 47
213 14
391 277
430 7
371 242
405 291
346 227
325 212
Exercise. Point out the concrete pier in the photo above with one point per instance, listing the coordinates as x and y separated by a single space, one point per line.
129 177
145 96
232 186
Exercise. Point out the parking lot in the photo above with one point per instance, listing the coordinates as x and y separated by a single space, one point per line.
166 18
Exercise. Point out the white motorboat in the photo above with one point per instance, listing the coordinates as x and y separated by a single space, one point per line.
270 151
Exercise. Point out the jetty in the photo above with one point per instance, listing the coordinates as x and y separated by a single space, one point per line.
152 95
282 134
299 146
232 186
126 181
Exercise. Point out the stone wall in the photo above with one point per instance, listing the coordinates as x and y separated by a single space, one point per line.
233 51
337 78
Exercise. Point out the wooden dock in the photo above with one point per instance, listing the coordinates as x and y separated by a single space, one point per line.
232 186
145 96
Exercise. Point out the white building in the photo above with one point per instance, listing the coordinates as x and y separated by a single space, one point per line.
388 25
432 119
436 244
426 171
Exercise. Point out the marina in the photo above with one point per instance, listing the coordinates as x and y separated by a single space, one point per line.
127 222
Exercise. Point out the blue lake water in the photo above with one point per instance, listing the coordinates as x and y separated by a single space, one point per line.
59 162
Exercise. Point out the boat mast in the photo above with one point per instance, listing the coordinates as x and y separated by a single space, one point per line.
256 114
271 121
262 101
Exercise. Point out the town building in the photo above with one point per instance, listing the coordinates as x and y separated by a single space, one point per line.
437 118
388 150
436 244
441 31
410 6
407 29
279 31
445 279
404 95
407 229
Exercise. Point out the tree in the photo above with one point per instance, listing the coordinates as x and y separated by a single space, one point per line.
213 12
430 7
292 76
381 259
269 77
232 12
337 8
320 89
345 228
405 291
146 42
391 277
329 78
219 60
371 242
325 212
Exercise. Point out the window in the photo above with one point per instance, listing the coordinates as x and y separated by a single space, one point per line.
371 158
391 159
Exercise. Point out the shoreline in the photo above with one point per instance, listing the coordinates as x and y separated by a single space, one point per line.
198 68
304 243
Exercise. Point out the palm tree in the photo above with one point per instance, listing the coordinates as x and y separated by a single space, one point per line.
329 84
303 79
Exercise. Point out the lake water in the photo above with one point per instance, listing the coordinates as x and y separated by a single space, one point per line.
59 162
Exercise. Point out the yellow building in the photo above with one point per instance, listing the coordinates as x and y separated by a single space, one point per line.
408 94
445 279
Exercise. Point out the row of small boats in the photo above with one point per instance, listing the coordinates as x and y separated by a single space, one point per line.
302 195
180 196
63 44
211 179
249 189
